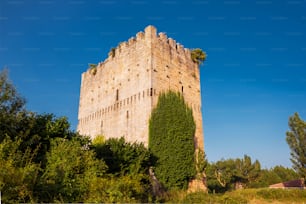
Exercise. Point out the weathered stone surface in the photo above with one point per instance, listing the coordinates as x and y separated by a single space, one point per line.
118 99
197 185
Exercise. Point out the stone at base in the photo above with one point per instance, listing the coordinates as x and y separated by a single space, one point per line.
197 185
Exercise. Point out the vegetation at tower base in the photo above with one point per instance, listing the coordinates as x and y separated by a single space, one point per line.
41 160
296 139
123 158
171 140
69 172
198 56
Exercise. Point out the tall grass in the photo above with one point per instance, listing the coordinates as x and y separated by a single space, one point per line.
263 195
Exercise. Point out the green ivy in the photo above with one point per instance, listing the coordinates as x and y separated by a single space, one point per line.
171 140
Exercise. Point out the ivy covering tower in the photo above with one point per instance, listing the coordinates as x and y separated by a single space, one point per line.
171 140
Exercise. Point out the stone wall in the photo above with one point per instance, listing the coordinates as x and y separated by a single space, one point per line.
118 99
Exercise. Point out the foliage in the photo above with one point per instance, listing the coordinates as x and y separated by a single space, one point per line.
10 101
18 173
70 170
285 174
123 189
230 174
37 130
43 161
198 56
93 69
98 140
296 139
124 158
171 140
127 179
274 175
11 106
201 163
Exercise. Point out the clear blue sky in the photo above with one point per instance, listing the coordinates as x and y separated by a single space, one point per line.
253 80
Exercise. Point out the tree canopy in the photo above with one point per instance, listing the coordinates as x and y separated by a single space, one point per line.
296 139
232 173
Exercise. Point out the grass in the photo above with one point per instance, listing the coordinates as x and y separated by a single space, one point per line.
252 196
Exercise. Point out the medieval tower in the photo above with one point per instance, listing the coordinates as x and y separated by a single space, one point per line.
117 96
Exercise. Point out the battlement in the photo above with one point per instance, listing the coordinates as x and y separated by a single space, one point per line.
150 38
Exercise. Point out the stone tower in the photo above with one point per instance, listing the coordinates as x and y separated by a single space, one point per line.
117 97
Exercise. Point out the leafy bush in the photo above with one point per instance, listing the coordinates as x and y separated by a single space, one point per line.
124 158
198 56
123 189
18 173
69 171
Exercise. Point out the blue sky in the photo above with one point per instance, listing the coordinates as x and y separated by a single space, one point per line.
254 77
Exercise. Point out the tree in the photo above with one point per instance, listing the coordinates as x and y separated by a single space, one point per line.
285 174
296 139
198 56
18 173
10 101
230 174
127 177
123 158
11 106
247 171
70 170
171 140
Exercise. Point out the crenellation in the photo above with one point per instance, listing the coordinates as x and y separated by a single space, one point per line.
162 36
150 32
172 43
140 36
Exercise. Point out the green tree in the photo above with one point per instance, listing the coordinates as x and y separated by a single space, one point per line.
70 170
11 106
285 174
10 101
18 174
231 174
37 131
122 157
127 177
274 175
122 189
246 171
296 139
171 140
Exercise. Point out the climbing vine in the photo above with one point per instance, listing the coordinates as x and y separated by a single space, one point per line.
171 140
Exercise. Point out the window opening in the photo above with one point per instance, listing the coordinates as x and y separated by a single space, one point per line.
117 95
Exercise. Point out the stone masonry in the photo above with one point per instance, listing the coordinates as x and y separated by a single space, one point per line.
117 97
